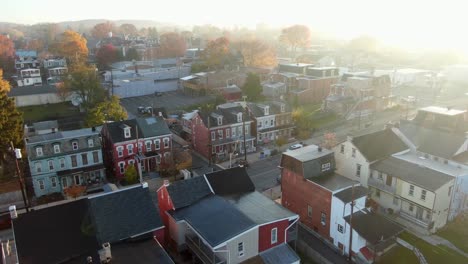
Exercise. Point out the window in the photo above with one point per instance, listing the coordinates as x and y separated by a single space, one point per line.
436 158
428 215
64 182
95 156
274 235
166 142
56 148
247 129
39 152
167 155
340 228
411 190
353 153
130 149
41 184
38 167
140 147
323 218
283 108
158 159
131 162
220 134
77 179
148 145
342 148
326 166
377 193
423 195
75 145
380 176
62 163
157 144
358 170
122 167
240 249
233 130
220 120
395 200
127 132
213 135
411 208
84 158
51 165
309 211
213 150
271 122
227 133
239 117
73 161
120 151
90 143
53 180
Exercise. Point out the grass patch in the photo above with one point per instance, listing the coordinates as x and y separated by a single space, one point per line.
324 120
457 233
400 255
434 254
48 111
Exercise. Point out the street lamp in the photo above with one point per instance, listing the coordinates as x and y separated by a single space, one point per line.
18 156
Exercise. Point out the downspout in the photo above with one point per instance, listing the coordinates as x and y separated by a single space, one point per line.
286 232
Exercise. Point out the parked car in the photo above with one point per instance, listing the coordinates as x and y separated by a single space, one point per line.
295 146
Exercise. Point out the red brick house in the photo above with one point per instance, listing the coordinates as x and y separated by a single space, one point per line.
308 182
314 87
232 93
124 140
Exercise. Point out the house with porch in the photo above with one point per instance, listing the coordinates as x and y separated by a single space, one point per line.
147 141
63 159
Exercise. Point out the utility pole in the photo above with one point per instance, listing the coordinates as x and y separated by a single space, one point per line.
243 129
210 150
18 156
351 225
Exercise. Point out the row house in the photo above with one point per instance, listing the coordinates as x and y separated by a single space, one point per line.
222 131
56 69
26 59
359 94
28 77
220 218
63 159
272 120
147 141
315 85
325 201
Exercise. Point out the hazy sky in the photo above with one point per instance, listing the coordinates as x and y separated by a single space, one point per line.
409 23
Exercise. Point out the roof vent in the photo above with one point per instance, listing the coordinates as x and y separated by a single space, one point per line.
105 253
144 185
166 183
13 212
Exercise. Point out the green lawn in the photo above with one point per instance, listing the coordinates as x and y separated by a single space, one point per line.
400 255
47 112
434 254
457 233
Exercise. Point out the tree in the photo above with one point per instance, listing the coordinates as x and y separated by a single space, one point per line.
85 84
128 29
132 54
363 44
256 53
74 191
171 45
152 33
281 141
199 67
36 44
11 125
131 174
7 53
216 52
106 55
297 36
329 140
4 85
63 92
109 110
252 87
72 46
102 30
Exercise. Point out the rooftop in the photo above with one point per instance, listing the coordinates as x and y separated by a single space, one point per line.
308 153
230 181
279 255
442 110
32 90
69 134
333 182
419 159
346 195
378 145
187 192
45 125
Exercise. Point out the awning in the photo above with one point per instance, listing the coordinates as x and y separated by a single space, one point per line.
80 170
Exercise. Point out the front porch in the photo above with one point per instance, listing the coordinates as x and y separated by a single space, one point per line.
90 179
202 251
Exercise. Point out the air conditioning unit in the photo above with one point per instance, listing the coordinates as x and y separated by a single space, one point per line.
105 253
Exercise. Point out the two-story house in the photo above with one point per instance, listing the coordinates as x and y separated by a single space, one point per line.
271 121
414 192
220 218
65 158
315 85
355 155
147 141
221 132
26 59
56 69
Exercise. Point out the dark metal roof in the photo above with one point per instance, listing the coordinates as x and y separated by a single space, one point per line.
32 90
140 252
186 192
123 214
332 182
412 173
152 127
280 254
147 127
55 234
373 227
230 181
215 219
116 130
346 195
379 145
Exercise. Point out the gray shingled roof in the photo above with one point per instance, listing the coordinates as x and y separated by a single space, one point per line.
279 255
147 127
32 90
379 145
412 173
230 181
186 192
123 214
346 195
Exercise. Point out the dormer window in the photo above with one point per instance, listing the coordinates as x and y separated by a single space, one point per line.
56 148
239 117
283 108
90 142
39 152
75 145
220 120
127 132
267 110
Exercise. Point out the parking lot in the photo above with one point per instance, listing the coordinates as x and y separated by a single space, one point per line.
169 100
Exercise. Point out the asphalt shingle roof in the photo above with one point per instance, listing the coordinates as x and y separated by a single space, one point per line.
32 90
147 127
279 255
230 181
412 173
186 192
346 195
379 145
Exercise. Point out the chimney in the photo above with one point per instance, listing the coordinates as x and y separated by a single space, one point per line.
166 183
13 212
105 253
93 129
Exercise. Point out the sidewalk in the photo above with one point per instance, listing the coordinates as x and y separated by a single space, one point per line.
436 240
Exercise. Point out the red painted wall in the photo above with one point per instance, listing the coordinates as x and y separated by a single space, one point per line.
264 234
160 235
200 138
316 90
298 192
165 204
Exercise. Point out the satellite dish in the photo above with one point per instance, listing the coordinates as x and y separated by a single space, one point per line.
76 100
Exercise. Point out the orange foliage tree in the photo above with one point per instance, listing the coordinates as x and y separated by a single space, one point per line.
102 30
7 53
216 52
256 53
171 45
72 46
297 36
106 55
74 191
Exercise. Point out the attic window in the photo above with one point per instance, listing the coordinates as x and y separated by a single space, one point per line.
220 120
283 108
239 117
127 132
267 110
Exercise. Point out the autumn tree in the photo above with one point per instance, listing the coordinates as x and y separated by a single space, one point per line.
72 46
109 110
7 53
216 53
131 174
11 123
187 36
329 140
36 44
171 45
252 87
256 53
297 36
4 85
102 30
106 55
363 44
84 82
128 29
63 92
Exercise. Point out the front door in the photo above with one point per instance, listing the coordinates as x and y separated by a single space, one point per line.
341 247
389 180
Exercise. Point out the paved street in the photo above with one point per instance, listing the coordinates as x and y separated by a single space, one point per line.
169 100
